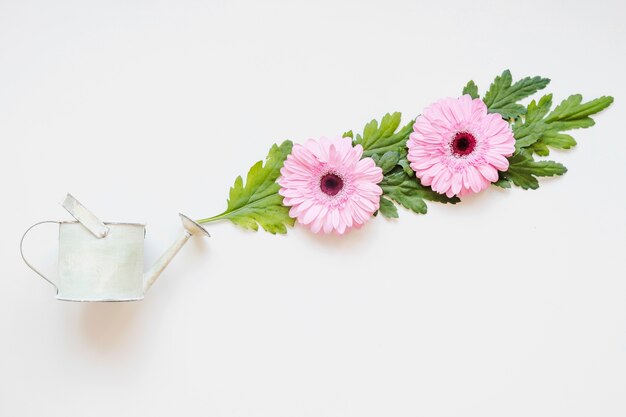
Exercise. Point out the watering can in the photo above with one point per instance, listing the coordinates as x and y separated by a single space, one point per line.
104 261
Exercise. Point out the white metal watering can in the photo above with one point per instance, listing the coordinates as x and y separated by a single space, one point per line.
104 261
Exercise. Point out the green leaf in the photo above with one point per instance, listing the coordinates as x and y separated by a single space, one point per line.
471 88
540 130
537 111
404 163
503 95
524 170
539 148
378 139
558 140
388 209
406 167
388 161
258 202
503 183
571 108
409 192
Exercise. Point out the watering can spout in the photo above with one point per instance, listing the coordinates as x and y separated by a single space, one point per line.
191 228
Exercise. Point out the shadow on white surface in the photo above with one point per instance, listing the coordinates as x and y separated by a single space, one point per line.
107 326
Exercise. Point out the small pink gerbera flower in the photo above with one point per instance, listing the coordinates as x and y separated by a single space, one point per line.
328 186
457 147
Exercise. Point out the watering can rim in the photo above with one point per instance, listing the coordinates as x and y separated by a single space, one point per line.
107 223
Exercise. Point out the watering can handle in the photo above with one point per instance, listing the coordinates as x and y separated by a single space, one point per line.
24 258
85 217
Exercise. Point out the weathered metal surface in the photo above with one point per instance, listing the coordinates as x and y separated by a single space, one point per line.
92 269
106 267
84 216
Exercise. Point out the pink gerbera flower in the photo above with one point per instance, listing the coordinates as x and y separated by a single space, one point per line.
457 147
328 186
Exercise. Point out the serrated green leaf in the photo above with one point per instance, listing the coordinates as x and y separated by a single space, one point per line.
510 110
406 167
409 192
558 140
571 108
538 131
503 183
503 95
348 134
378 139
258 202
388 161
537 111
471 88
524 170
539 148
388 209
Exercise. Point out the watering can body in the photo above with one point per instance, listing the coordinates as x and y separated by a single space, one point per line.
104 261
101 269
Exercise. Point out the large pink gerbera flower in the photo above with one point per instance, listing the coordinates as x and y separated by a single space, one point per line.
457 147
328 186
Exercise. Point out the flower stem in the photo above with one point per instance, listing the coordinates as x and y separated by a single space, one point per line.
212 219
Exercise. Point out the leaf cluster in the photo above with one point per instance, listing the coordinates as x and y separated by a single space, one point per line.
385 143
377 139
257 202
536 129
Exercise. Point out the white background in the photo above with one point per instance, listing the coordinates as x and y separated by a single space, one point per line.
512 303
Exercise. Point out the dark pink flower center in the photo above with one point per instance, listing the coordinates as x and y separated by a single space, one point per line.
331 184
463 144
